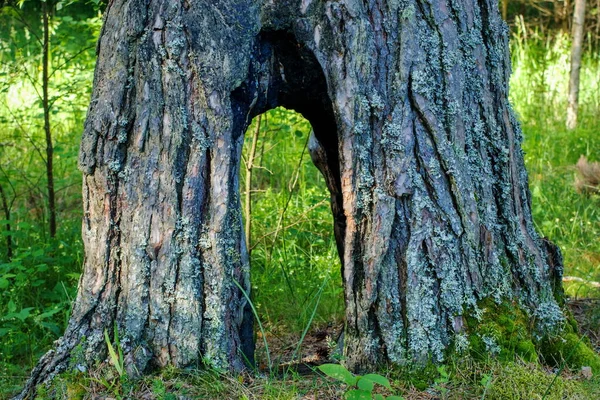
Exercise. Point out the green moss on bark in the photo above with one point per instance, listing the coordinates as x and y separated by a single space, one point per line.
505 332
569 348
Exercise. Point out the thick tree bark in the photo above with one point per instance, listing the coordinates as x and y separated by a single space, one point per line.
412 130
576 52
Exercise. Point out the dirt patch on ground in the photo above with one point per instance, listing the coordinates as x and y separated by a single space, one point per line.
587 315
319 346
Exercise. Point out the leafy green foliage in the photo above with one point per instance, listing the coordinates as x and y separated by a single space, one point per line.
38 287
37 283
359 387
116 359
442 380
339 372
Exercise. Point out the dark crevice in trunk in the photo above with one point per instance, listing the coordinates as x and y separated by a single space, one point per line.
432 186
358 276
400 238
116 166
115 240
375 331
206 213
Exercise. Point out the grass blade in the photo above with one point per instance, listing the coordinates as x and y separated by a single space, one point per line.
262 331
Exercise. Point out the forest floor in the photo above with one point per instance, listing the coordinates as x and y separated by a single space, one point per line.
320 345
587 314
461 379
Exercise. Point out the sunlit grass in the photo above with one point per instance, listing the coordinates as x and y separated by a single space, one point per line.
538 92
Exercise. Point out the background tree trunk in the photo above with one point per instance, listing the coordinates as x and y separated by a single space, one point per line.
567 7
47 129
576 52
6 206
248 189
412 130
504 4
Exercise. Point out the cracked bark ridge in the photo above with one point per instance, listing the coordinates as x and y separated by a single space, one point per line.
412 130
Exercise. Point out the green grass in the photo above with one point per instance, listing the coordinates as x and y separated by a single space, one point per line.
461 378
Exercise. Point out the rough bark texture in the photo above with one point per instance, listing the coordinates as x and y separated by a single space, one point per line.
412 130
576 52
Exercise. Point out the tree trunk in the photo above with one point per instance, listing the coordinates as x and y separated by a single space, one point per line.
412 129
576 52
566 14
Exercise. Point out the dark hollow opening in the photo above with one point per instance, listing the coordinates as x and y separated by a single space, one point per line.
285 73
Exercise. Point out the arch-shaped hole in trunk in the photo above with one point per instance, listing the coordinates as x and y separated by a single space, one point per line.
285 73
295 267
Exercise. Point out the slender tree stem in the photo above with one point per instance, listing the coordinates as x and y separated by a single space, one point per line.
576 51
292 187
6 207
566 14
249 168
46 106
597 23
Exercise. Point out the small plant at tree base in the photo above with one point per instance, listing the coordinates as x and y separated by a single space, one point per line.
486 382
120 384
160 390
116 360
443 379
359 387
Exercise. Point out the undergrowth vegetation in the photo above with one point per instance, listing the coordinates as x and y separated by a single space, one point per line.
296 279
39 274
459 379
538 92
